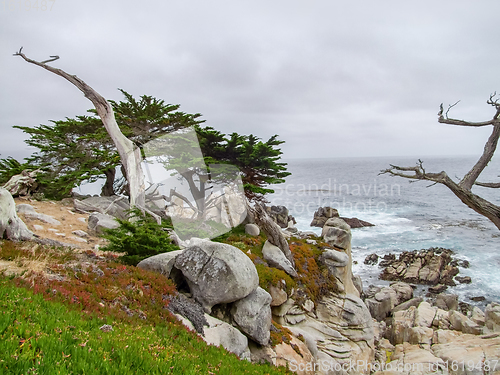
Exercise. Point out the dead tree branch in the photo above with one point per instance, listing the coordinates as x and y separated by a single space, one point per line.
129 154
463 188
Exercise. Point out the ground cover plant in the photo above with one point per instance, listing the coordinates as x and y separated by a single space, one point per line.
54 320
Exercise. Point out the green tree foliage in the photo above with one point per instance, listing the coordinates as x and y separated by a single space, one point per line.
10 167
258 161
72 151
139 239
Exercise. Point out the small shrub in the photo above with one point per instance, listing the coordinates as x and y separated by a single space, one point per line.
139 239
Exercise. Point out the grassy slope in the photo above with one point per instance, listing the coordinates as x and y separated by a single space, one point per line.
50 320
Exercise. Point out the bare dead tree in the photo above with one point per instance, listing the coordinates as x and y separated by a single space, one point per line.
130 155
462 189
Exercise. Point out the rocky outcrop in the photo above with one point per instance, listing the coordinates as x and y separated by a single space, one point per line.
434 266
354 222
11 226
492 317
336 232
216 272
338 260
382 301
322 215
280 215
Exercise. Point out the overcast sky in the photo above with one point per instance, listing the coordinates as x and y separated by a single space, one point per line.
332 78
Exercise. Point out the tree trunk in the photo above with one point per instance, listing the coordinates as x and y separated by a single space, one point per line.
11 226
107 189
272 230
130 155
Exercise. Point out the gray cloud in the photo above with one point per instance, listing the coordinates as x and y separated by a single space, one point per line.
332 78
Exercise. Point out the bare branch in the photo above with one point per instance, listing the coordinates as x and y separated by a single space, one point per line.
494 185
450 107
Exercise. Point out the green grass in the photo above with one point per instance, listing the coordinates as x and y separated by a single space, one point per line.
45 337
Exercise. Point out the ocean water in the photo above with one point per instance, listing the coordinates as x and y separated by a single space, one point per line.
407 215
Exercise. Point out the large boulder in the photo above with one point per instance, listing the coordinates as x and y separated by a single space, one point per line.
11 226
216 272
253 315
275 257
322 215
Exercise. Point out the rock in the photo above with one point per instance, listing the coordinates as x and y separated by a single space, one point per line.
337 233
80 233
220 333
446 302
190 310
492 317
99 222
412 360
463 279
437 288
478 316
424 315
106 328
294 319
38 227
253 315
278 296
460 322
334 258
371 259
161 263
296 356
29 212
11 226
275 257
283 309
402 322
406 305
279 214
404 291
252 230
113 206
322 215
216 272
470 349
24 208
354 222
358 283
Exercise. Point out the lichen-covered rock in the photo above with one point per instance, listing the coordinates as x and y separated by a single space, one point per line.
216 272
253 315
